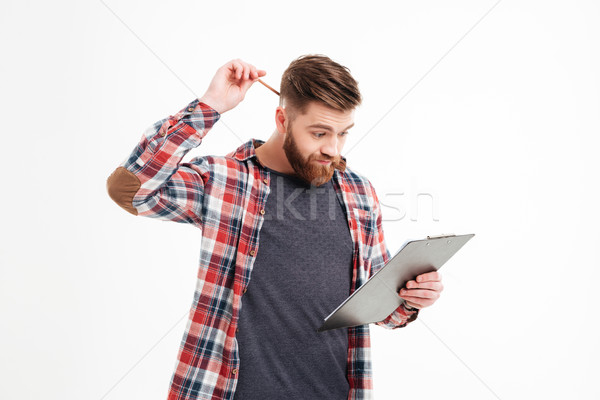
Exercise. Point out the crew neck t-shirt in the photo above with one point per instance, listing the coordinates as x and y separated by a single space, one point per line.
302 272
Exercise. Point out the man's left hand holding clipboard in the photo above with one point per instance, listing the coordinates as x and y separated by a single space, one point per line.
423 291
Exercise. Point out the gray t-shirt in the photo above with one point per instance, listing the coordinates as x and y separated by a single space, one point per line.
302 271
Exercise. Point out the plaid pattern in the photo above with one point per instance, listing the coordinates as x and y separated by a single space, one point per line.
225 197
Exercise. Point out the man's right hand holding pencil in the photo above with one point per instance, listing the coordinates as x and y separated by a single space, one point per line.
230 84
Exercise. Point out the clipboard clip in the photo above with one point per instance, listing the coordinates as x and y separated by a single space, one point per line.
443 235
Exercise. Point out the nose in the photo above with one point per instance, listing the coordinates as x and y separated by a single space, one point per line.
330 146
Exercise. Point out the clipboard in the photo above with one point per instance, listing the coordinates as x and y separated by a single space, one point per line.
378 297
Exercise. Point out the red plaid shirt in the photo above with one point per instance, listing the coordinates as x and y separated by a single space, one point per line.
225 197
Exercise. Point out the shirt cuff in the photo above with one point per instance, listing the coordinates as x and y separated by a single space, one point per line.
198 115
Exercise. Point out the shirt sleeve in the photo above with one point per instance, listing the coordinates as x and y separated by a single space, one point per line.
153 182
379 257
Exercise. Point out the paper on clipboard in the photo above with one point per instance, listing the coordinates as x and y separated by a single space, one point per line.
378 297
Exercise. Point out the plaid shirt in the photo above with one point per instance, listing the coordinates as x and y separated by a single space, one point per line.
225 197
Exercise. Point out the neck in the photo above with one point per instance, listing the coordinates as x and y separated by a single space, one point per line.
272 155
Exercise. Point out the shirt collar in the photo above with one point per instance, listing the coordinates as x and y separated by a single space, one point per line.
248 150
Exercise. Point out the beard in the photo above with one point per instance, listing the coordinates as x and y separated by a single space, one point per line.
306 168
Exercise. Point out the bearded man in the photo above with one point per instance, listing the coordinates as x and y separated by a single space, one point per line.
288 232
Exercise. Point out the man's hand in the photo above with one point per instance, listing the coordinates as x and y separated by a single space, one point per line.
230 84
423 291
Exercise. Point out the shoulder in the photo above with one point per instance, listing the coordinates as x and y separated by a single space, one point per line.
222 169
360 187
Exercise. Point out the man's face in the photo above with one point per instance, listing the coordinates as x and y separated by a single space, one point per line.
314 141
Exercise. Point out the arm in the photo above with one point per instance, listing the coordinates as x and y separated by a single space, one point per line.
379 257
152 182
419 293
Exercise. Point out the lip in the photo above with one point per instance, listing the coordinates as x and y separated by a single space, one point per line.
324 162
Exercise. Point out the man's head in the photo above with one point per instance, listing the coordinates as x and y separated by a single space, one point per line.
317 103
317 78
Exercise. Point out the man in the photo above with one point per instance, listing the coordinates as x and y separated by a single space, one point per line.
288 232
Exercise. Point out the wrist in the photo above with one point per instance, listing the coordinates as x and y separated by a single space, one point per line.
410 308
212 104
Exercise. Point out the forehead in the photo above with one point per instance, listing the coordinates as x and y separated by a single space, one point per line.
318 113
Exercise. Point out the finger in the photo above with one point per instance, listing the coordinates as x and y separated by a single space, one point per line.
253 72
258 73
238 68
250 71
421 293
429 276
418 302
246 68
233 71
434 285
411 285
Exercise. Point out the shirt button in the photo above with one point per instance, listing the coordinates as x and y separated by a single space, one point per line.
245 290
266 181
190 109
234 371
262 212
252 252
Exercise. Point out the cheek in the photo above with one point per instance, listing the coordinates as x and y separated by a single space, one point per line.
309 149
341 143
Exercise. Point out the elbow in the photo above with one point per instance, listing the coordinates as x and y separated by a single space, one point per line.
122 185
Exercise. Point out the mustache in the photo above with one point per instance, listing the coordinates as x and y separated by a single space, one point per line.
326 158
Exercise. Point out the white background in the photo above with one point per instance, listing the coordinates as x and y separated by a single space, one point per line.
499 126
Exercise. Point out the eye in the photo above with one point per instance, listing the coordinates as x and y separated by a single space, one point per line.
318 134
344 133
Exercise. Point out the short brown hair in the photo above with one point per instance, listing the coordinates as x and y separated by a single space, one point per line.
315 77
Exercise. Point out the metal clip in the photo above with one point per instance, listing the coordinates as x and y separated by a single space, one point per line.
443 235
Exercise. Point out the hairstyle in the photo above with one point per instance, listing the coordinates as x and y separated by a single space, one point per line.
315 77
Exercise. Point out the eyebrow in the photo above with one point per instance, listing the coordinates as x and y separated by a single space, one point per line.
329 128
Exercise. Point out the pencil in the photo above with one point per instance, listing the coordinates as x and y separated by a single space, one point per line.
269 87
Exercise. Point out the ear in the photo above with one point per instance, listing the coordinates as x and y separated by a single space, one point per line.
281 119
